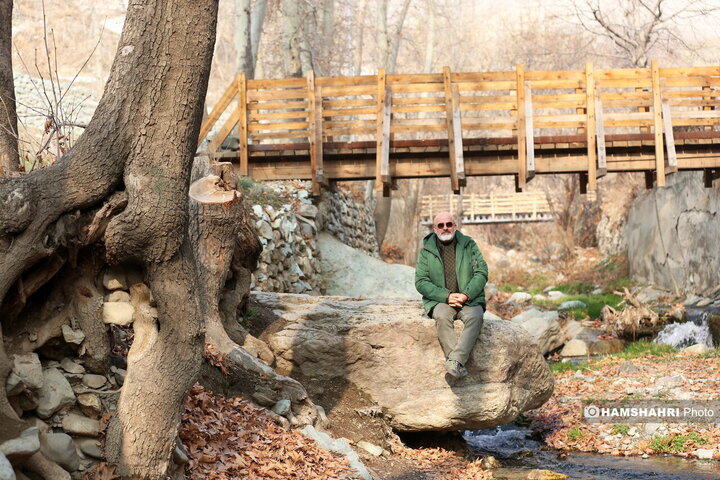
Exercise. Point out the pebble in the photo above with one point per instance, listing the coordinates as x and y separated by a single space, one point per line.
91 380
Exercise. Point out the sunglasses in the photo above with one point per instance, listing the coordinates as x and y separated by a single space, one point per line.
446 224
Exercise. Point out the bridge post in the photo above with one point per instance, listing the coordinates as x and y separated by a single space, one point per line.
382 168
243 123
315 132
658 125
590 130
521 178
453 122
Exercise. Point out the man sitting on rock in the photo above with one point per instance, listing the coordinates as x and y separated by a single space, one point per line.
451 275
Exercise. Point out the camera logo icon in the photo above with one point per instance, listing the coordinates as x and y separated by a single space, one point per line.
591 411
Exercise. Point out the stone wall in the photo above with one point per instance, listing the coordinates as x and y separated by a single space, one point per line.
290 261
351 222
672 236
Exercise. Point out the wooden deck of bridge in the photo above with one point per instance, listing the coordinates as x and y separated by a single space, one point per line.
491 208
521 123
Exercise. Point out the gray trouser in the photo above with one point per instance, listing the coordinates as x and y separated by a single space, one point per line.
444 316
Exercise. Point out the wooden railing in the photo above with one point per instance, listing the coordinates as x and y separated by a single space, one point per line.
515 110
491 208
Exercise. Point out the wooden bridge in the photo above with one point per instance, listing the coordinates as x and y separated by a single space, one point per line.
521 123
492 208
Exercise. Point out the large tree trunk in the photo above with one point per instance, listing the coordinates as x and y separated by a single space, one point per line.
142 137
296 27
243 44
9 158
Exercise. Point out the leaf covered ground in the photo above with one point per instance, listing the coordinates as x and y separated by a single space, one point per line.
669 376
230 438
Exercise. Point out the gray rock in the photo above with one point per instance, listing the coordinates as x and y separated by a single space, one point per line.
90 447
119 296
339 445
118 313
60 448
684 215
520 297
71 367
570 304
6 469
344 272
264 229
629 367
79 425
322 420
282 407
363 342
74 337
90 404
180 456
55 394
546 331
22 447
306 210
650 294
575 348
28 370
556 294
490 290
94 381
490 316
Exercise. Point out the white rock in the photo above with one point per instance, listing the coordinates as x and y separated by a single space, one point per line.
572 304
6 469
371 448
55 394
556 294
118 313
74 337
490 316
520 297
119 296
697 349
705 453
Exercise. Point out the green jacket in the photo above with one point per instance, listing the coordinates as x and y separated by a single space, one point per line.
470 268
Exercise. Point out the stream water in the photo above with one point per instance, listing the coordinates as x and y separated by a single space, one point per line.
519 452
695 330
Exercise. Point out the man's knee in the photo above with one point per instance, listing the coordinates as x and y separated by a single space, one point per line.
443 312
470 314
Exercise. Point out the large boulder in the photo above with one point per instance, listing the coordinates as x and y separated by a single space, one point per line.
389 350
670 232
543 327
353 273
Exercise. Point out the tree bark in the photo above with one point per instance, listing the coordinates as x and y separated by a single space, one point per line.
257 19
299 59
243 42
142 138
9 157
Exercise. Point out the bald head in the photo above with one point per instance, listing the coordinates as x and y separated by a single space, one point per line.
444 226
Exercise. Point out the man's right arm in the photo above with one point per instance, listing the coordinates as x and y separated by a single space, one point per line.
424 285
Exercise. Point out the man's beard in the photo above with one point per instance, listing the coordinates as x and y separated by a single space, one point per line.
446 237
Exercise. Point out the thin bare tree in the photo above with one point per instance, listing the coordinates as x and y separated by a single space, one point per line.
9 157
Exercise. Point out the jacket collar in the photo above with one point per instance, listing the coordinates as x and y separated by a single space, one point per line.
429 242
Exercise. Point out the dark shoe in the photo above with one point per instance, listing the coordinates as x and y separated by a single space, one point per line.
455 368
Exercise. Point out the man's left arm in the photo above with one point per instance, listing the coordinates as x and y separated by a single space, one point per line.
480 274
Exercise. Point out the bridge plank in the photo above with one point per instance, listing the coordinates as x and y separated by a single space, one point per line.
346 81
529 132
285 94
256 115
315 132
267 106
217 110
658 126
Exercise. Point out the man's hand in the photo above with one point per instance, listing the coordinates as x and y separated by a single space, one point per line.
457 299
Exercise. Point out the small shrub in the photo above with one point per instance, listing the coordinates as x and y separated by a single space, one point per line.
620 429
676 443
576 288
643 348
574 434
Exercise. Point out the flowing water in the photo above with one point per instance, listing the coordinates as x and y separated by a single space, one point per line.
519 453
681 335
